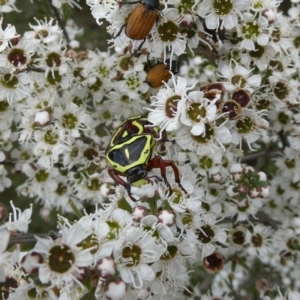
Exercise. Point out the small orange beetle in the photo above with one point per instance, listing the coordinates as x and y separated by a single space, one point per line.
160 73
141 20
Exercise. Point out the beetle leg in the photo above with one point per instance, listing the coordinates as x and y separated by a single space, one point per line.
152 176
115 175
138 49
134 2
158 162
170 163
148 60
157 19
118 34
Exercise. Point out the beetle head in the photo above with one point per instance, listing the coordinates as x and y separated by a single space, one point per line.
151 4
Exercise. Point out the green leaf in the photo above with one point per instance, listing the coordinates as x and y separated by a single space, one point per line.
123 204
89 296
233 266
244 265
76 211
241 197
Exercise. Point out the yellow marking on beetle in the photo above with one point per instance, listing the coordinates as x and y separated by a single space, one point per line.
127 153
125 134
139 126
140 183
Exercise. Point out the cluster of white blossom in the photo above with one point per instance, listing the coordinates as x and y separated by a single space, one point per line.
235 99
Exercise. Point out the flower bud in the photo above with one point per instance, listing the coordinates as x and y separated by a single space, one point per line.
139 212
230 191
81 273
42 118
106 267
270 15
262 176
265 192
30 262
115 290
254 192
236 170
166 217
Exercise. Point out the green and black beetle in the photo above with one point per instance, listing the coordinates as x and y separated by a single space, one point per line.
130 154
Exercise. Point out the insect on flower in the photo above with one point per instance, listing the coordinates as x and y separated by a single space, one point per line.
141 20
161 72
130 150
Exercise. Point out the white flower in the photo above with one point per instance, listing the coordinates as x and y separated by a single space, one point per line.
221 13
198 111
53 60
8 6
191 71
259 241
13 87
40 182
62 257
168 105
166 35
59 3
238 77
102 9
250 126
18 220
5 181
7 34
18 56
89 187
69 120
253 30
44 32
206 143
281 38
206 235
134 250
133 84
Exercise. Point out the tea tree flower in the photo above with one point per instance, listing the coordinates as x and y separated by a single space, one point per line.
207 142
168 105
239 77
167 35
250 126
253 30
13 86
6 35
61 107
199 110
45 31
70 120
259 241
221 13
61 258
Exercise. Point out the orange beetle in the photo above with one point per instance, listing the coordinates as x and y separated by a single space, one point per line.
160 73
141 20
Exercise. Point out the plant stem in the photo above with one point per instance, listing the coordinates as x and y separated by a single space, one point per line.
60 22
30 238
